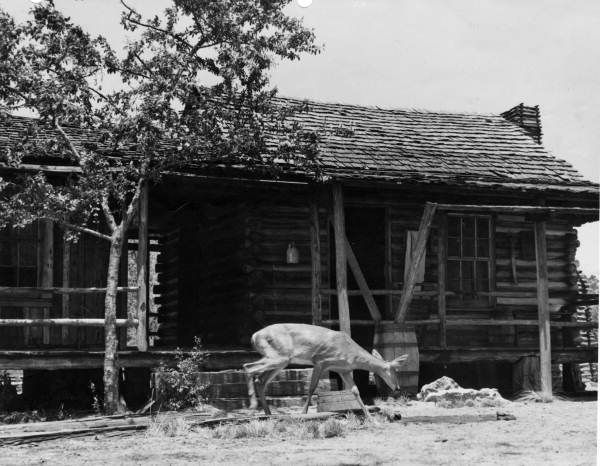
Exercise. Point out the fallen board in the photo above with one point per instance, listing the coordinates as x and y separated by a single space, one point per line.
19 434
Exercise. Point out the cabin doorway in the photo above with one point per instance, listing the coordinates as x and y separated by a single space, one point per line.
365 230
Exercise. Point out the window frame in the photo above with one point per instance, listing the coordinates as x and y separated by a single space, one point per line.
471 298
16 239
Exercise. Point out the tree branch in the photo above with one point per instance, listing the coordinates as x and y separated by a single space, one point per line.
155 28
67 139
110 218
89 231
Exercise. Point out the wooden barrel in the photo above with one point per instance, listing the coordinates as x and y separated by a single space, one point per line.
393 340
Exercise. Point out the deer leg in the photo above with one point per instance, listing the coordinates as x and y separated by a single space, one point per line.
350 385
314 381
267 378
257 369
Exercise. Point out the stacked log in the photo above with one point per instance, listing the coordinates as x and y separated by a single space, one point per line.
167 292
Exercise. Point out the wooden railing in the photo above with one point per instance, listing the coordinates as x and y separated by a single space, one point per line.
41 297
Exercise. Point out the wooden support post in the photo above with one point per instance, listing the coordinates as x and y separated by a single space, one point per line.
442 259
142 271
339 230
315 255
541 260
362 283
46 266
417 257
65 298
388 260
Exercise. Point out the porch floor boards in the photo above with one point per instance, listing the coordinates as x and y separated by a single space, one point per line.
221 359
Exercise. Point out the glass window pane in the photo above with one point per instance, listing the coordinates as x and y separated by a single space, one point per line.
27 276
468 247
5 253
453 275
468 226
453 225
453 247
483 247
483 227
483 276
28 253
467 276
8 276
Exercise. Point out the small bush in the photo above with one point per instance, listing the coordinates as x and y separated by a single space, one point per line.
178 387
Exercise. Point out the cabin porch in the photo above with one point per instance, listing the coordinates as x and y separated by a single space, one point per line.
220 262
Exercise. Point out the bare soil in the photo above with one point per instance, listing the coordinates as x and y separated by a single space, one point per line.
561 433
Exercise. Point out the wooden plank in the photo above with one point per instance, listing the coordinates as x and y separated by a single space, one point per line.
362 283
543 309
454 355
334 322
339 229
46 267
42 292
142 271
66 270
49 322
417 258
315 257
388 265
527 209
441 259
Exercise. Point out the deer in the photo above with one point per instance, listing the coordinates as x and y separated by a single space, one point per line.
310 345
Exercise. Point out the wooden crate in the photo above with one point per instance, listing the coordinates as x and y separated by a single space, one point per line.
341 400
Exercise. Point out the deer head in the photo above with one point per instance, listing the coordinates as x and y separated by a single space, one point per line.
388 372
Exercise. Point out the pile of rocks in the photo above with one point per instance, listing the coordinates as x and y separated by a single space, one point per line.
446 389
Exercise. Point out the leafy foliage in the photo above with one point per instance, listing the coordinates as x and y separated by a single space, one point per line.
178 387
194 91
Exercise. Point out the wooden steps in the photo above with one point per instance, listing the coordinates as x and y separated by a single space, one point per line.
228 390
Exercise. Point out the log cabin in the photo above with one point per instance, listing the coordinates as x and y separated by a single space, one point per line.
448 235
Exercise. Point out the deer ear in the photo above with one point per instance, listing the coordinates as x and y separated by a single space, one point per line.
376 354
399 360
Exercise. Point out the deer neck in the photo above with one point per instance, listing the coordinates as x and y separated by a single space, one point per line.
368 362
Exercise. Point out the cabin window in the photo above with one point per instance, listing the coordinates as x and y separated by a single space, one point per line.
468 250
18 256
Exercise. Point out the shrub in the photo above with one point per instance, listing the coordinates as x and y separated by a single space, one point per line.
178 387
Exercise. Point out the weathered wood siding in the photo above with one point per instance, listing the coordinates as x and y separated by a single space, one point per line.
281 292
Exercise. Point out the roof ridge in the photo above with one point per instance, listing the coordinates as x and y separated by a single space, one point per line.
387 109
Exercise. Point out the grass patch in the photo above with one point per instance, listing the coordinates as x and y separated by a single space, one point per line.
284 428
168 425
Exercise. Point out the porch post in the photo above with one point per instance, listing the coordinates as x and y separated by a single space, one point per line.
417 257
543 309
142 271
339 230
441 259
315 255
47 268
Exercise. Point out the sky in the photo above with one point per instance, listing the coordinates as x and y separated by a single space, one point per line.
480 56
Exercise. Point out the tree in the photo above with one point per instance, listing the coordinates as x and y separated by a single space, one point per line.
194 90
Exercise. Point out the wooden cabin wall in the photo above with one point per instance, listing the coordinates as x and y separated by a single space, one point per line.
281 292
167 290
219 277
562 275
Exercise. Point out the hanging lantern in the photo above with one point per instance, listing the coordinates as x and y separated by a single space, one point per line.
292 255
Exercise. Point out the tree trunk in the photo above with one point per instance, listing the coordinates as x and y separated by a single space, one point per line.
111 365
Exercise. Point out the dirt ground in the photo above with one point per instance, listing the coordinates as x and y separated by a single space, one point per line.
561 433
